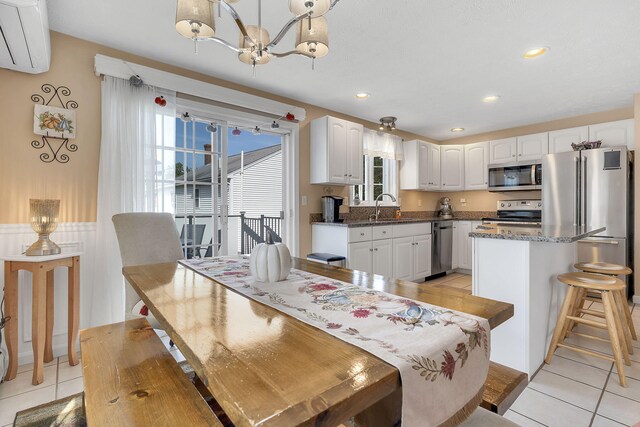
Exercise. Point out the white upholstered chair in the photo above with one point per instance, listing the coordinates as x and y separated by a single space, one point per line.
145 238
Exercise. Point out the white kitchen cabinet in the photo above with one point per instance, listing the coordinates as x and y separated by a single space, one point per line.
399 250
421 257
383 257
336 151
433 171
560 140
412 257
476 160
503 150
360 256
452 167
614 134
420 169
532 147
403 258
464 245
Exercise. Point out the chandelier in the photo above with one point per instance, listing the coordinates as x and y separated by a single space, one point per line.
388 123
195 20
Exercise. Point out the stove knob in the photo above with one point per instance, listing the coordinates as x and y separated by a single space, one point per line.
509 205
502 205
539 204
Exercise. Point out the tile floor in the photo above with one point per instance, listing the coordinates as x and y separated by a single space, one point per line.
575 389
60 380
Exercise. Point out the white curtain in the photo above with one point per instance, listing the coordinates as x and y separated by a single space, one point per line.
126 182
385 145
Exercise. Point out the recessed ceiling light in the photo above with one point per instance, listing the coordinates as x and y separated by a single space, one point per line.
490 98
362 95
535 52
457 129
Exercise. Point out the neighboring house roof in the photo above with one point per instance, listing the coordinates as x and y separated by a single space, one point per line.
203 173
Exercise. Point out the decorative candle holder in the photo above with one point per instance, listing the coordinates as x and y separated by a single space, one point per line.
44 221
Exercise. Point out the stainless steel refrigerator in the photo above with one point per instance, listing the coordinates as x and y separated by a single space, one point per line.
592 188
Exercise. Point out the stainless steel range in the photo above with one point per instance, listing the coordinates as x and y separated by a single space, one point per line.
514 212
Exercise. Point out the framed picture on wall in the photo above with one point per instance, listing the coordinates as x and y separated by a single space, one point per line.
54 121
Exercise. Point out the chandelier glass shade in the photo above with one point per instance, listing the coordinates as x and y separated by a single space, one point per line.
195 19
312 36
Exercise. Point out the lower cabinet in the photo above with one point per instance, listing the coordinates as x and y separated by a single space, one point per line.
372 256
462 244
402 251
412 257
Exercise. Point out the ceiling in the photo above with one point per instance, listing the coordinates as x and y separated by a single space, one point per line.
428 62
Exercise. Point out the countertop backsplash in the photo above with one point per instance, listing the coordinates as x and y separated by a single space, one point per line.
362 213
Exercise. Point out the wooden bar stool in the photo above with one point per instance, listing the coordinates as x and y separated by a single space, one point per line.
606 286
620 297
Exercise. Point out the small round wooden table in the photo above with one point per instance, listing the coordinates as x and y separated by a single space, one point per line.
41 268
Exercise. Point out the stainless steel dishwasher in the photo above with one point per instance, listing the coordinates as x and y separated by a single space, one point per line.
441 247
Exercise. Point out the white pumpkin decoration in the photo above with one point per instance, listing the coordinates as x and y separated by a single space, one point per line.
270 262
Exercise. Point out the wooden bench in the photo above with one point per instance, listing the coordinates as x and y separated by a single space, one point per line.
502 388
131 379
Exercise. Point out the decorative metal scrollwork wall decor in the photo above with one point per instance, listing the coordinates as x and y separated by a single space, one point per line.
57 146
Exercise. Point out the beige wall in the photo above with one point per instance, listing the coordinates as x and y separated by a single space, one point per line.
75 183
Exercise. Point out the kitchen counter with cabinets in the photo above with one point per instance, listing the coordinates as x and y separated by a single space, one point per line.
469 216
520 265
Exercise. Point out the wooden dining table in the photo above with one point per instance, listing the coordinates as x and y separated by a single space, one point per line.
266 368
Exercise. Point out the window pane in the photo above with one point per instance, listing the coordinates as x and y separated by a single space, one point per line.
377 161
180 128
377 190
180 165
377 175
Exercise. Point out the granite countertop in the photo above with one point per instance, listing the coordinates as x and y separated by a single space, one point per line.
544 233
390 221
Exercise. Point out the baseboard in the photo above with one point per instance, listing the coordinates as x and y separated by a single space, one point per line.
26 357
636 299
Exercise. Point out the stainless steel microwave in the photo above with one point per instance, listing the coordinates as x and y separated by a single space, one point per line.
515 176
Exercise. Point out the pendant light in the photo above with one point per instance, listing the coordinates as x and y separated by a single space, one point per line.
194 18
318 7
254 53
312 36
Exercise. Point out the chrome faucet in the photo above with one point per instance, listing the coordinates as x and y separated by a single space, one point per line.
393 199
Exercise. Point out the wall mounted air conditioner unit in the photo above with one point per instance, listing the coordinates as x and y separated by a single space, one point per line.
24 36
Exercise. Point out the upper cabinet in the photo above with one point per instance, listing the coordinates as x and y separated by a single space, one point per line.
613 134
532 147
336 151
560 140
452 167
476 161
503 150
420 169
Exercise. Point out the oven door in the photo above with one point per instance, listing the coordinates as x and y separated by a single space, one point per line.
512 177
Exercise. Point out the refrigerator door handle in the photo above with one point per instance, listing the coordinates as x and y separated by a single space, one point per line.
576 200
584 178
533 174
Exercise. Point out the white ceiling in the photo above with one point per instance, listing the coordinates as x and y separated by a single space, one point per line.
429 62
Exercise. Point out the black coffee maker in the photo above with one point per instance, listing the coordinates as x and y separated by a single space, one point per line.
331 208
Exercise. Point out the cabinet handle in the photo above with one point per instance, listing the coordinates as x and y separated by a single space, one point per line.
384 232
376 249
370 250
362 234
350 175
513 155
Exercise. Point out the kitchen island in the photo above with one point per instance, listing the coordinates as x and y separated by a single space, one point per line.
519 265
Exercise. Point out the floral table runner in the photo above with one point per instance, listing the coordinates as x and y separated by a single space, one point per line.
442 355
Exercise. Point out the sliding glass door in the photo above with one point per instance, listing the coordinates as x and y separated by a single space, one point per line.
201 186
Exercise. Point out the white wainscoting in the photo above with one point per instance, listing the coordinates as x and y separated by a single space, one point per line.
71 237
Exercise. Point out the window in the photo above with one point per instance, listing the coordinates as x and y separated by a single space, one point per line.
380 176
197 198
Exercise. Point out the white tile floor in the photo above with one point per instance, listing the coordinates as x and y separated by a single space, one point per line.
578 390
60 380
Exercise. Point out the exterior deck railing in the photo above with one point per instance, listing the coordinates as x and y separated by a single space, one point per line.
253 230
